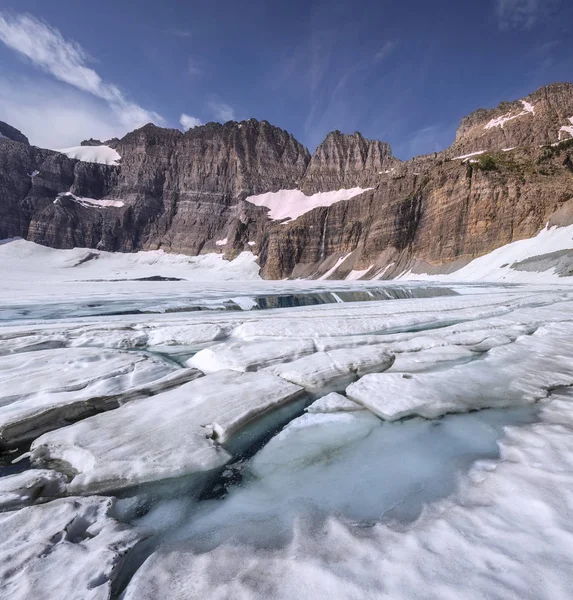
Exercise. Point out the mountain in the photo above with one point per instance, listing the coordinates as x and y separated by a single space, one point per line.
351 206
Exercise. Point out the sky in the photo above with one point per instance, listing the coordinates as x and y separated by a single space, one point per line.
403 72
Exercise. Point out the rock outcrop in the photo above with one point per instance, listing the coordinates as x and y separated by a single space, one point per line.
11 133
186 192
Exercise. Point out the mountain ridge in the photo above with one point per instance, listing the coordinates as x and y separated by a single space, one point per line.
187 192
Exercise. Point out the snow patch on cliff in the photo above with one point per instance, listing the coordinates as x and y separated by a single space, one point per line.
103 155
567 129
291 204
528 109
90 202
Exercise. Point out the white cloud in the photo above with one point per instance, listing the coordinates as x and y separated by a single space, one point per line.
385 51
222 111
522 14
187 122
54 115
66 60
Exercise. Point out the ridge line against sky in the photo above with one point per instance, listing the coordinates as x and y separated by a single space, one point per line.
308 67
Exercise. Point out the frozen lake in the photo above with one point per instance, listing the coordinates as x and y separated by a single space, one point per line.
227 437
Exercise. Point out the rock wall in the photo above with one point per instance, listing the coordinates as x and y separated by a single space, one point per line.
184 192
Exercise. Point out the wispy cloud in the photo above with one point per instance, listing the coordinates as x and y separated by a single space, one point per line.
221 110
193 68
67 61
523 14
188 122
385 51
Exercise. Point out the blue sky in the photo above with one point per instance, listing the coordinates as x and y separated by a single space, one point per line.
403 72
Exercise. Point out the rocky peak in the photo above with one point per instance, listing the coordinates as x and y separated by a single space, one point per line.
544 117
11 133
92 142
345 161
240 158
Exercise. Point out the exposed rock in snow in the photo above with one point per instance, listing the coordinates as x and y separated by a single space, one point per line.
67 548
103 155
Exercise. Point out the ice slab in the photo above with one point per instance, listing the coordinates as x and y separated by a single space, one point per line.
333 403
249 356
438 357
46 389
171 435
68 548
510 375
334 370
24 488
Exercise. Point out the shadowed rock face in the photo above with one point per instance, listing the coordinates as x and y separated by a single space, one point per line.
11 133
184 191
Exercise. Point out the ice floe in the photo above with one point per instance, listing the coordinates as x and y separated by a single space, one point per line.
331 371
174 434
46 389
510 375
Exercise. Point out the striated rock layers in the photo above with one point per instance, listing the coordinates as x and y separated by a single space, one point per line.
187 192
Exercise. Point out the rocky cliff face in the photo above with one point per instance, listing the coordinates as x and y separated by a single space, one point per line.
541 118
346 161
185 192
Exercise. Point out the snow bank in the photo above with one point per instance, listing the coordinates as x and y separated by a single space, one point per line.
499 264
23 488
20 260
103 155
291 204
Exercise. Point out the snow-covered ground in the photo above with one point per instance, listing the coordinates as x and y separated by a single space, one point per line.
358 439
545 254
